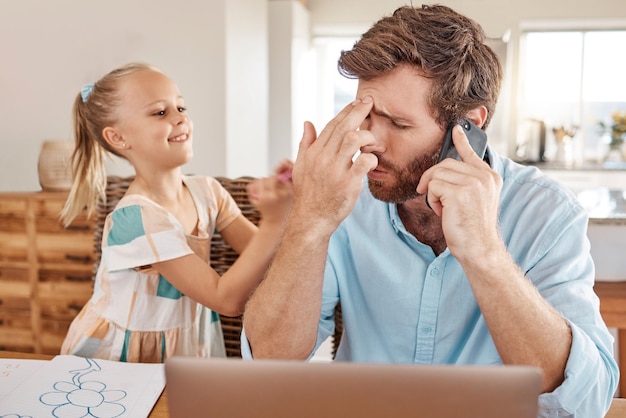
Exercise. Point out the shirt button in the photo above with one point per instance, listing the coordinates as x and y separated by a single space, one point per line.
426 330
434 272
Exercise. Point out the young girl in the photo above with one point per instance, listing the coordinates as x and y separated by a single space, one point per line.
154 270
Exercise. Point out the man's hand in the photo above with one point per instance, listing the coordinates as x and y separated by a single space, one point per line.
327 181
466 194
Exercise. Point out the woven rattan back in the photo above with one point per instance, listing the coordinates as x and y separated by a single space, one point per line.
222 255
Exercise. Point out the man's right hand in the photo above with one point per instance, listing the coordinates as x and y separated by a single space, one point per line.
327 178
283 313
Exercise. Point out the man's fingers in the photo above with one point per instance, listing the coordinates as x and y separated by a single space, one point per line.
364 163
349 119
309 135
463 146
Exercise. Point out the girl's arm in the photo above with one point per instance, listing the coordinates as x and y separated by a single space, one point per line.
228 294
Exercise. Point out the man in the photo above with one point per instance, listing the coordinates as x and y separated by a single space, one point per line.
497 272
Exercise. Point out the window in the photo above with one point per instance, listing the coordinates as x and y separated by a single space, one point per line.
334 90
572 79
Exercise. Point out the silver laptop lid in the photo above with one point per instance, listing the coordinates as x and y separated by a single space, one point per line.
272 388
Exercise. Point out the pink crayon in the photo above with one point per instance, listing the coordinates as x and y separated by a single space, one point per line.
285 176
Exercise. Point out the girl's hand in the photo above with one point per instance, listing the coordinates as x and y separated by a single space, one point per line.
284 170
273 196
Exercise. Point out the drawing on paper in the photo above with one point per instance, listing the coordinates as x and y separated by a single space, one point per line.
84 398
15 416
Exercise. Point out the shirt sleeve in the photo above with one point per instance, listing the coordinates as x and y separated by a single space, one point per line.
222 209
588 373
142 234
330 299
246 353
565 276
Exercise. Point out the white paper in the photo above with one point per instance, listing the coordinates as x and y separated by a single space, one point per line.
71 386
14 371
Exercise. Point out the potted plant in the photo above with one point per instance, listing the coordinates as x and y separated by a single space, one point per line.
615 130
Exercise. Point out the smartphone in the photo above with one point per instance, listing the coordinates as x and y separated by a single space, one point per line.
477 139
476 136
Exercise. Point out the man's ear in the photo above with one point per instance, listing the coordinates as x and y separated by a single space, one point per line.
478 115
114 138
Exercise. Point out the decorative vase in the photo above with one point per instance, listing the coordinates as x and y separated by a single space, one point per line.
564 151
615 153
613 147
54 165
602 148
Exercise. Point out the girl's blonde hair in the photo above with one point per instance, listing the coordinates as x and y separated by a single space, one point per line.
95 108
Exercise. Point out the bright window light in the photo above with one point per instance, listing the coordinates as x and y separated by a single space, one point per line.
552 67
605 67
573 79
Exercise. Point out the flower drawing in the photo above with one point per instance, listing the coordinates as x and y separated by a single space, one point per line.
80 398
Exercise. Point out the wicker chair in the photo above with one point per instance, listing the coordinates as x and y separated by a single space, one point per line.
222 255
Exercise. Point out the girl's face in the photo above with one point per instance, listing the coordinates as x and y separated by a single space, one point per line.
153 121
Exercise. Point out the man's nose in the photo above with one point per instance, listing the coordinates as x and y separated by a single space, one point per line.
379 137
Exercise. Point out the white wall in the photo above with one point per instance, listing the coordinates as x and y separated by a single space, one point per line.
292 81
216 50
247 94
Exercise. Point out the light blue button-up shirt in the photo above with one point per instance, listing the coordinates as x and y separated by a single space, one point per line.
403 304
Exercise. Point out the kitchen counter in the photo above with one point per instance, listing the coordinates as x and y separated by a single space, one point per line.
586 166
605 206
588 176
606 231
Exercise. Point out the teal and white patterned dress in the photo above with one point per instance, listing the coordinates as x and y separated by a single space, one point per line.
134 314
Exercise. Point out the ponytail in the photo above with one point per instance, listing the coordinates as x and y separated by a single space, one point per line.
94 109
88 170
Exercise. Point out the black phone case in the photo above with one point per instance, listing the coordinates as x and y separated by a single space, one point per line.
476 136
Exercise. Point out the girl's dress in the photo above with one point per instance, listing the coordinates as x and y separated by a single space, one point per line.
134 314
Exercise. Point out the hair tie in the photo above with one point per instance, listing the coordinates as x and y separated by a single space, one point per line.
86 91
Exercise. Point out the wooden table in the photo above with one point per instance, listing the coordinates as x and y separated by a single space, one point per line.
618 409
160 410
613 309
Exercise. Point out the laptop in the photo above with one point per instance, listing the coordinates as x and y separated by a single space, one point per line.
229 387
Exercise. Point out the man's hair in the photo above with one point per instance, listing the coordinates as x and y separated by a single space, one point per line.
440 44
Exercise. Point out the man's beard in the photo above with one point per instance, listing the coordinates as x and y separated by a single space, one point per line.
406 179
